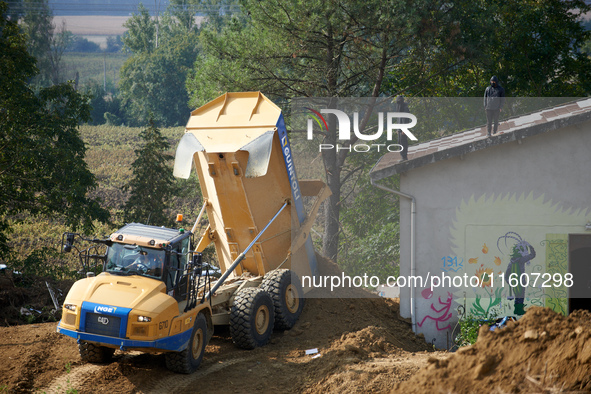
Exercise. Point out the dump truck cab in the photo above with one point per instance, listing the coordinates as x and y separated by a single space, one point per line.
145 298
152 252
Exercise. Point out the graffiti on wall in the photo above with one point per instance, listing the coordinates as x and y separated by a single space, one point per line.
494 236
557 262
522 253
485 297
442 313
452 264
500 235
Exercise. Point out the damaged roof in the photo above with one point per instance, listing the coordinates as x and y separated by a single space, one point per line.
473 140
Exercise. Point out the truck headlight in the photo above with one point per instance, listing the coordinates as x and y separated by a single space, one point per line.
70 307
144 319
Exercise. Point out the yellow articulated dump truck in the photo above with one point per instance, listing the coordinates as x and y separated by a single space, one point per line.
155 294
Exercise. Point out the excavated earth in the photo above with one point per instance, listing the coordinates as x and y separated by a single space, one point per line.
363 346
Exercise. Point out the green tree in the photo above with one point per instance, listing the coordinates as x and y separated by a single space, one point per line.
42 167
153 78
114 44
290 48
152 182
141 33
45 42
535 47
370 229
37 25
15 10
106 108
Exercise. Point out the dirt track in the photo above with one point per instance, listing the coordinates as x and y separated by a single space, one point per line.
374 352
364 346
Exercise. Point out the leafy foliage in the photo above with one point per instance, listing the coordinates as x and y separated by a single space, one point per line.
46 43
469 328
141 34
291 48
151 185
370 220
43 262
41 153
106 108
114 44
81 44
534 47
153 78
36 27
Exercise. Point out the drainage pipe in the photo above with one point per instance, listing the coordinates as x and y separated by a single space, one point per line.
412 246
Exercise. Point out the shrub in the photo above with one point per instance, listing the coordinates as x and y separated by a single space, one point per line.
469 328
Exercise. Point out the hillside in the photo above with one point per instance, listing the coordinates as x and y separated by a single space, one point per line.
110 152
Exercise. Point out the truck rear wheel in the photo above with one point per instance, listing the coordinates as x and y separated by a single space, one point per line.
188 360
91 353
286 291
251 318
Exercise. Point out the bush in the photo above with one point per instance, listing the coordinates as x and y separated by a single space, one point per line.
81 44
45 263
469 328
114 44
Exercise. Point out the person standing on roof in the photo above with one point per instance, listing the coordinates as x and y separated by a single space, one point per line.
401 106
494 98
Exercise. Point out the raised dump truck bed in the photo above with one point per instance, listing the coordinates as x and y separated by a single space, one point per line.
243 158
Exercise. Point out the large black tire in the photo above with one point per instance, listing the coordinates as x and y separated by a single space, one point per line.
188 360
91 353
251 318
288 297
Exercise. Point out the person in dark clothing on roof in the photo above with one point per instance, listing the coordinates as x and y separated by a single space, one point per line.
494 98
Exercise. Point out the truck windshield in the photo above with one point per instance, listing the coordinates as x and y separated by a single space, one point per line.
135 260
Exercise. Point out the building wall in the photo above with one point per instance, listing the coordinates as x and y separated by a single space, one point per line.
474 212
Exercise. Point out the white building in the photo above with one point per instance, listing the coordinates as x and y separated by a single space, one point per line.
471 205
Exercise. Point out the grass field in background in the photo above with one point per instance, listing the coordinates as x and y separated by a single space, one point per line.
91 67
100 25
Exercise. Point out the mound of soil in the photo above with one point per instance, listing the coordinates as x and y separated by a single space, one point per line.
359 341
543 351
33 355
361 345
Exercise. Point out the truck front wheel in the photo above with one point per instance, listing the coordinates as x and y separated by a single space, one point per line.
188 360
251 318
91 353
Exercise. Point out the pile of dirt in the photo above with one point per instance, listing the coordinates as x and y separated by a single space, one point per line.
358 340
540 352
33 355
340 344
